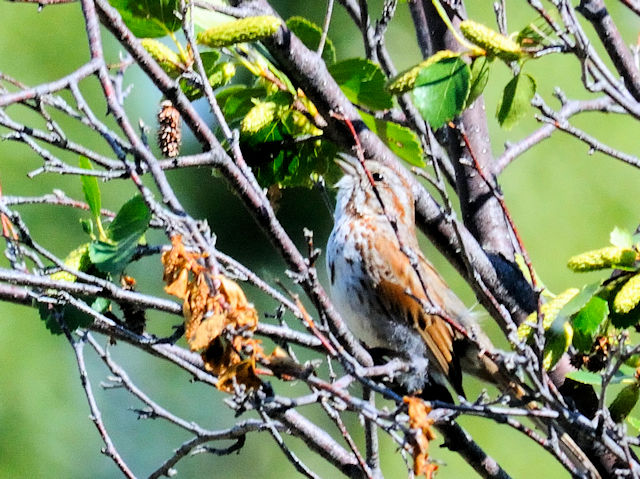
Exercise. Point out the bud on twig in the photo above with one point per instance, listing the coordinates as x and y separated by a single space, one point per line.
494 43
611 256
239 31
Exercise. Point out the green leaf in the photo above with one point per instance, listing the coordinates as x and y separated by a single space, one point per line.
516 100
309 33
131 221
149 19
401 140
112 258
363 82
72 317
579 300
236 101
557 340
534 34
87 227
621 238
586 377
624 402
559 336
209 60
78 259
123 233
586 323
479 79
633 361
91 189
101 305
441 90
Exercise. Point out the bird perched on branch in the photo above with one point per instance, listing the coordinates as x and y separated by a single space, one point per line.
391 297
394 300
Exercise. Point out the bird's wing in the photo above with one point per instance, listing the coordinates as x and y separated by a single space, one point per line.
400 291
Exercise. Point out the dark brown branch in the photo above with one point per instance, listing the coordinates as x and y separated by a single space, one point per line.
481 211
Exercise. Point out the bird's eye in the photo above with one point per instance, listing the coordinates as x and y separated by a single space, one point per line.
376 177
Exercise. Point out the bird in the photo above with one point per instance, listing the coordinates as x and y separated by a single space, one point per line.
389 294
394 300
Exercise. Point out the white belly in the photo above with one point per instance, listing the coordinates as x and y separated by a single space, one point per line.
354 295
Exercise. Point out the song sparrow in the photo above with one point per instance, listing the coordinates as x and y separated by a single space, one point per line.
393 299
388 293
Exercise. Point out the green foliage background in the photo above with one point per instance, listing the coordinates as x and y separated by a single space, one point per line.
563 200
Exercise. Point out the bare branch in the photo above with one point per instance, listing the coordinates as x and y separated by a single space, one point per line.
96 416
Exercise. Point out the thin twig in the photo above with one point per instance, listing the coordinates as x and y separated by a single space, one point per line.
96 416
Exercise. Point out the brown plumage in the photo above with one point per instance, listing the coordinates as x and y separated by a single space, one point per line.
387 301
392 298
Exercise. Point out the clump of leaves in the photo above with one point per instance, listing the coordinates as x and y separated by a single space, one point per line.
112 248
213 305
219 321
280 136
149 19
282 140
445 84
598 308
588 322
107 254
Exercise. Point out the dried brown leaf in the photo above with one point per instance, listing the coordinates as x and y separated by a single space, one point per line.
221 359
420 421
179 286
207 331
219 356
241 373
213 304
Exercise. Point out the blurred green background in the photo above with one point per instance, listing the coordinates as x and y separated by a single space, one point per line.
563 199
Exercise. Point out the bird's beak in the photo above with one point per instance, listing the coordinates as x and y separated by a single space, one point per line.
348 164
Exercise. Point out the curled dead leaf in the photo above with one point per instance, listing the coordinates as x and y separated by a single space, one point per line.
178 259
210 328
242 373
218 356
421 423
221 359
213 305
241 312
178 287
